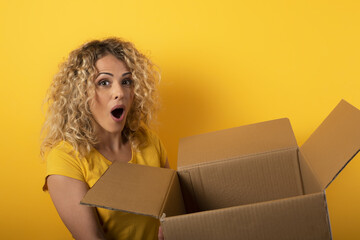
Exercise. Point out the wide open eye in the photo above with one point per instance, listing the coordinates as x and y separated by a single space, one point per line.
104 82
127 82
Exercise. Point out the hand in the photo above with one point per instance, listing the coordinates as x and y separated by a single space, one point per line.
160 234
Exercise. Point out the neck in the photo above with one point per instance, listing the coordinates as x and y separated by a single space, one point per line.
110 142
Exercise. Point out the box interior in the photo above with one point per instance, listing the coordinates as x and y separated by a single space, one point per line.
244 180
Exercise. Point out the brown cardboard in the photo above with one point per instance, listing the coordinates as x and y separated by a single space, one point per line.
334 143
300 218
129 184
310 182
244 180
236 142
250 182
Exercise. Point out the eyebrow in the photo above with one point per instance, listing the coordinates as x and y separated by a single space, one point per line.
110 74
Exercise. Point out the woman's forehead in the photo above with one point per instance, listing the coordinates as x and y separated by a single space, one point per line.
110 62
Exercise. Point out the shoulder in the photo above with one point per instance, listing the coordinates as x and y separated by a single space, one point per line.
63 146
62 150
63 156
63 160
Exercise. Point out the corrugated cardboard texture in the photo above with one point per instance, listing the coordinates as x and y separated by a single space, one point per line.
303 217
334 143
310 182
188 192
175 203
240 181
136 189
236 142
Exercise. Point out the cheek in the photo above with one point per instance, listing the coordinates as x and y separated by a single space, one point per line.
96 103
131 96
99 98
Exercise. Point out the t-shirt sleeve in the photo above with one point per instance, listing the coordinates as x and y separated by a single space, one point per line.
61 161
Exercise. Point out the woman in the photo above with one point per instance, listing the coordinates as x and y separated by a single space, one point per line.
101 103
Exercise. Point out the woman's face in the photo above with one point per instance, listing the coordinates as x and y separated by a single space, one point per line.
114 94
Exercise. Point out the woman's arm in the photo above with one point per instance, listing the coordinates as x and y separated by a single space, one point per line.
66 194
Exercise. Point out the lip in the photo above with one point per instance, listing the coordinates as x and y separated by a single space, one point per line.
122 115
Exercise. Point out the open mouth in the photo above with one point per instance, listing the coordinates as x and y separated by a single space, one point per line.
117 112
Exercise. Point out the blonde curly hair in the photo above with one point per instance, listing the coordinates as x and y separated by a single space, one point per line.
69 97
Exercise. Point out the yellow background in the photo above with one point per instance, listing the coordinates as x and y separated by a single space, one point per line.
224 64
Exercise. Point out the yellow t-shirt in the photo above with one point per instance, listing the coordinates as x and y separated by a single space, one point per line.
62 160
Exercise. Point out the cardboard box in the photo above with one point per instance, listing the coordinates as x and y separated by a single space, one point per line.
250 182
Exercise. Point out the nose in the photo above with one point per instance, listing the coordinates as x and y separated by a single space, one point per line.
118 91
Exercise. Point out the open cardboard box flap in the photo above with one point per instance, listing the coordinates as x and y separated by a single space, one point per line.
125 186
236 142
334 143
